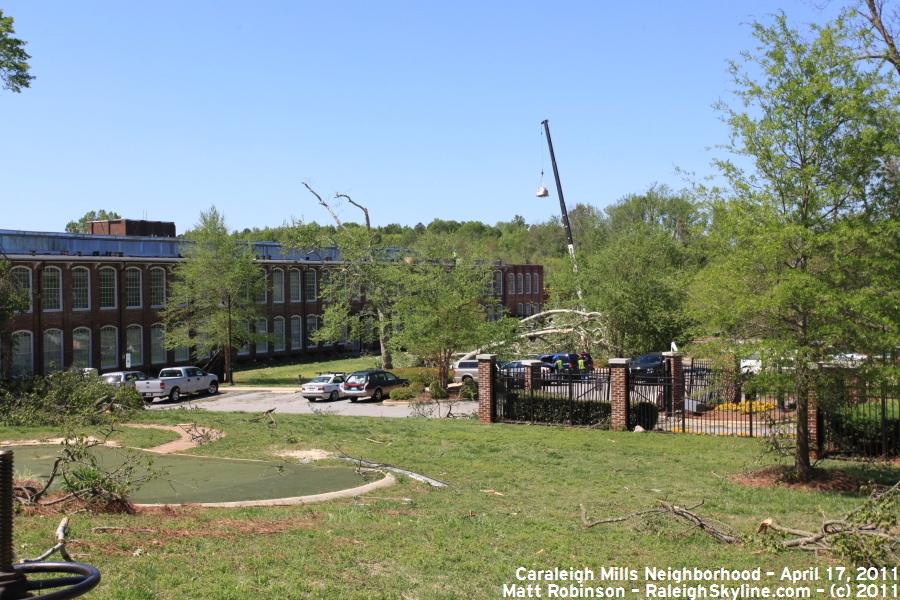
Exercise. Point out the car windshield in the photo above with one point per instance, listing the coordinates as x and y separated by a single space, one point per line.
646 360
321 379
169 373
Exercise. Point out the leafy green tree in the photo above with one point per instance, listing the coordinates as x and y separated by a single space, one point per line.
440 311
82 225
807 243
13 59
212 298
12 299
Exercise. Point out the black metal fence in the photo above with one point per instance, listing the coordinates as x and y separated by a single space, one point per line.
565 398
859 417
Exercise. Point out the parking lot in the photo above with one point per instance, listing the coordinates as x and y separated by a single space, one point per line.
289 401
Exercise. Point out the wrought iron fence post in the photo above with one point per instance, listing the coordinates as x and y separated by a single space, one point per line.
12 584
884 443
750 402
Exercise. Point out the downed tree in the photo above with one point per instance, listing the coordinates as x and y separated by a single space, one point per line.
60 545
683 514
868 535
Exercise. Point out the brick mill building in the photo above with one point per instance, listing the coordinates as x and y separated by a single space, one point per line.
95 299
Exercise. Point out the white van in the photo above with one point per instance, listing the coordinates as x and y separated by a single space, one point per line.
465 370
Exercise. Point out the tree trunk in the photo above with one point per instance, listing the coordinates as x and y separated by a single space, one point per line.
801 458
387 361
229 376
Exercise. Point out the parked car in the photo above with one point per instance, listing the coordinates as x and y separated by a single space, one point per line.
323 385
465 370
174 382
119 379
371 383
514 373
647 367
569 361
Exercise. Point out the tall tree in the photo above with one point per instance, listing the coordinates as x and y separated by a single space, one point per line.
14 73
212 298
807 248
440 311
82 225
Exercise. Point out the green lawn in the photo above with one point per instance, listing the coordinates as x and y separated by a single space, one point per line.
513 501
288 375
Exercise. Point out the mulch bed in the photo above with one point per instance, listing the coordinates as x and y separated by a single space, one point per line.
832 480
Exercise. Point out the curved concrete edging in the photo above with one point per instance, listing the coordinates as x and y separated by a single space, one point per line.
387 481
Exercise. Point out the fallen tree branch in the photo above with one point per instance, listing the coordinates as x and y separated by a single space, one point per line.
323 203
680 513
60 545
374 465
867 535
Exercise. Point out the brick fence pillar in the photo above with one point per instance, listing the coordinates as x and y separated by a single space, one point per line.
486 367
675 364
618 393
532 374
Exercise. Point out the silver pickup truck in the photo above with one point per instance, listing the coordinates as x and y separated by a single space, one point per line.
174 382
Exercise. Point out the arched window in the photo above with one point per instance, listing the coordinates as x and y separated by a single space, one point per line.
536 283
157 344
310 286
277 286
107 281
53 350
109 347
133 291
296 333
157 287
182 354
312 326
278 334
295 285
51 289
527 283
520 309
21 276
245 349
262 336
497 284
134 344
262 294
81 288
519 287
81 347
510 283
22 354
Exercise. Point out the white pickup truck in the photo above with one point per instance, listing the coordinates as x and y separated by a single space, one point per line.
174 382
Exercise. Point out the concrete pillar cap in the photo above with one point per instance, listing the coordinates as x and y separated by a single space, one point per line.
485 356
672 354
618 362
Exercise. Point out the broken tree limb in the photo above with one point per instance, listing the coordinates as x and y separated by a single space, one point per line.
374 465
357 205
323 203
680 513
867 534
60 545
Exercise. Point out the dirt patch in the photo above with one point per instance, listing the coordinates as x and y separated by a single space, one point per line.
305 456
58 441
833 480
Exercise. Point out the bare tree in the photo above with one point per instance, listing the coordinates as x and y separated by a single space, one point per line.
872 14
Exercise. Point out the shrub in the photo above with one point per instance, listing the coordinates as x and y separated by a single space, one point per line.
857 429
550 408
404 393
65 398
423 377
646 414
438 392
469 390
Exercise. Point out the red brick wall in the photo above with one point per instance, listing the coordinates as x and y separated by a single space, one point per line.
486 364
618 393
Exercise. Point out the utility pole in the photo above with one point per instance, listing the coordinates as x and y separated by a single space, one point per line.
570 242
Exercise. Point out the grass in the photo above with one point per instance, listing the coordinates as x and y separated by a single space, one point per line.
513 501
126 436
290 375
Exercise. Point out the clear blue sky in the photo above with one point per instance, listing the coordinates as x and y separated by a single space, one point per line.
420 110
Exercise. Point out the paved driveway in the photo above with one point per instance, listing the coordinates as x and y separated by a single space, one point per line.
291 402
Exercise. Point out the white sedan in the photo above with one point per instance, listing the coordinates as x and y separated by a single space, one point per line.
322 386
